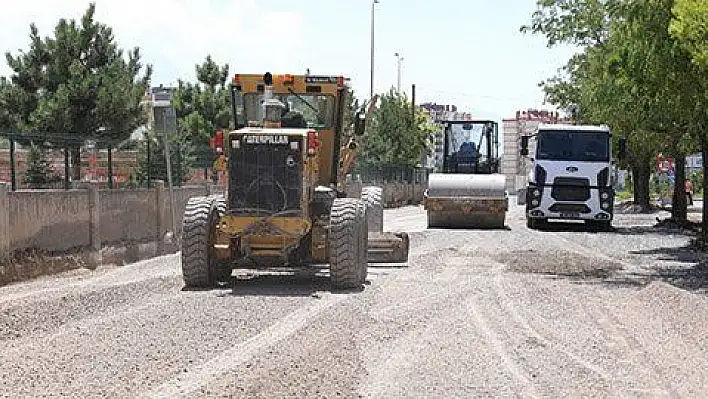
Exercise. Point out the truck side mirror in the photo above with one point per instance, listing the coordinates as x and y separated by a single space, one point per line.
622 147
524 146
359 124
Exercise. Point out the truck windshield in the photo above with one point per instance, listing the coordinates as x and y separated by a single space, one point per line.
558 145
318 109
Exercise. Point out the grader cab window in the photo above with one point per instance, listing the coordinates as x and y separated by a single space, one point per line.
317 109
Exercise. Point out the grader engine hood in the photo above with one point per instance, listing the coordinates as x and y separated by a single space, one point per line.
266 171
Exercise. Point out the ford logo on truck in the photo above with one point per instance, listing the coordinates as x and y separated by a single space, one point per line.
571 169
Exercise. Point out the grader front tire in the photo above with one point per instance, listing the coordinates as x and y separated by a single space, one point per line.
348 234
199 225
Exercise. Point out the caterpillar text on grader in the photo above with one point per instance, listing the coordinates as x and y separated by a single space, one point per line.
285 207
470 192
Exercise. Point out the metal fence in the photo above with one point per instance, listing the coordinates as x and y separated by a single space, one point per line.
108 163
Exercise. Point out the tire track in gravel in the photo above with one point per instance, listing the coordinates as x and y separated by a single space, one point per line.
19 346
521 321
614 328
407 350
611 324
55 285
200 375
498 346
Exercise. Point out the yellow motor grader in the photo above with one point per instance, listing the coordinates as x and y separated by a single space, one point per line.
285 206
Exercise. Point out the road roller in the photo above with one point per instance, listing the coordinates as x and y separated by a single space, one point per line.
469 192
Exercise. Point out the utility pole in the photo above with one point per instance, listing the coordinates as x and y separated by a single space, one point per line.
371 91
166 123
398 83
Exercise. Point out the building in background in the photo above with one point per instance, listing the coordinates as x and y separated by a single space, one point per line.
438 113
155 96
515 167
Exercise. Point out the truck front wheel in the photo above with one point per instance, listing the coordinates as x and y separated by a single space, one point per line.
536 224
599 225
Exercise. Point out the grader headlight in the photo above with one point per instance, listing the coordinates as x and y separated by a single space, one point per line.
313 142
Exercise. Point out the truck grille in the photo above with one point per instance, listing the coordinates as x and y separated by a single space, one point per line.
265 178
558 207
571 189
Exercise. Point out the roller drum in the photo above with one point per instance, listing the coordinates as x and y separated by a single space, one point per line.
462 185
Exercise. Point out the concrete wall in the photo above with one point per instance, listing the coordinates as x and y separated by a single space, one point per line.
53 220
58 220
91 226
92 218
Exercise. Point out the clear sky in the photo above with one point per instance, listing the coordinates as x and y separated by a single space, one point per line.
468 53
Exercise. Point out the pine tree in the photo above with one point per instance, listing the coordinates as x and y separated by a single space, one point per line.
203 107
77 85
39 171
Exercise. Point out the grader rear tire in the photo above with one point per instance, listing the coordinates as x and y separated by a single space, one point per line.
347 243
198 228
363 240
373 197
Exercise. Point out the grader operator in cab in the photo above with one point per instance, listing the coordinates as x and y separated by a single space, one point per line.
286 206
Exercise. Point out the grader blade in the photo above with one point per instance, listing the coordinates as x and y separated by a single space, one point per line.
385 247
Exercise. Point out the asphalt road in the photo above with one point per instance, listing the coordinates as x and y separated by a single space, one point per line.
496 313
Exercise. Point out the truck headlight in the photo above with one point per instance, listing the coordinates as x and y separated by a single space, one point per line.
534 202
536 193
605 195
605 205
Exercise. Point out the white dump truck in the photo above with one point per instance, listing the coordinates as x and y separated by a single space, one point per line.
571 176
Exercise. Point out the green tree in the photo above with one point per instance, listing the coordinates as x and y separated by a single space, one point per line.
659 72
627 75
39 171
203 107
689 26
77 84
351 106
582 23
395 136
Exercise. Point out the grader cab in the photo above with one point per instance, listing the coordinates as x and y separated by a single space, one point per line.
285 206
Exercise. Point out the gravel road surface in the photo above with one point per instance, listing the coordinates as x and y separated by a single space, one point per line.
495 313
